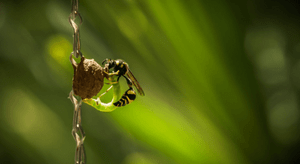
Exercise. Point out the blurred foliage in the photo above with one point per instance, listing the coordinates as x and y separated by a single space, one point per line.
220 77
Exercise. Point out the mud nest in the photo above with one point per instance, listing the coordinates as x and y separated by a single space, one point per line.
88 78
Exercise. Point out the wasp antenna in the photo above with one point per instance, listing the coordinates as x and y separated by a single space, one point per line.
105 60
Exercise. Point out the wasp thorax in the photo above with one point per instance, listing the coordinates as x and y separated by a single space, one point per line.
88 78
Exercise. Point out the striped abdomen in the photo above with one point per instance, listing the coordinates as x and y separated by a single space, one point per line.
127 98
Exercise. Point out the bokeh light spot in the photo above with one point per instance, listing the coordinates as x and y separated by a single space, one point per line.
271 66
27 116
283 116
59 49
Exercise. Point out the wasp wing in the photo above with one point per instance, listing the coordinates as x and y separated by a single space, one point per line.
135 83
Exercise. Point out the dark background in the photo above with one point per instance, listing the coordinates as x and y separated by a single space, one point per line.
221 80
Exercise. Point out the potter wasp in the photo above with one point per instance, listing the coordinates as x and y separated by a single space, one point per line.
121 69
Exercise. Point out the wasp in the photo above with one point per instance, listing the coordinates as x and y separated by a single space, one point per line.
121 69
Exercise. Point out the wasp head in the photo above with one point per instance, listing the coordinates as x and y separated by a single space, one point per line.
111 63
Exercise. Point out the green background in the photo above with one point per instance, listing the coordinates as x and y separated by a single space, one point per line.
221 80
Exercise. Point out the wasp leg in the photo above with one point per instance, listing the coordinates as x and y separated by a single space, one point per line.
112 74
115 82
106 91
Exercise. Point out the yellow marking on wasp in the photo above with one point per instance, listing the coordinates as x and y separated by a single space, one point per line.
117 62
131 92
124 100
129 100
121 103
